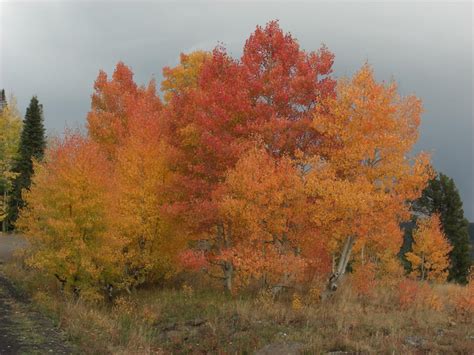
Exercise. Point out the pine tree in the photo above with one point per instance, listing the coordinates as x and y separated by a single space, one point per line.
3 100
441 196
32 146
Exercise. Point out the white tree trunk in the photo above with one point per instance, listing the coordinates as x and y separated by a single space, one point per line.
337 275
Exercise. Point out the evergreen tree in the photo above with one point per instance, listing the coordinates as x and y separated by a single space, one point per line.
441 196
32 146
3 100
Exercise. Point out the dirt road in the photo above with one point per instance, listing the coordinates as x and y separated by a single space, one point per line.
22 329
8 244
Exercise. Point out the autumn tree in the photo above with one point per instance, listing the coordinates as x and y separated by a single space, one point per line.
441 196
285 86
31 147
429 256
10 129
185 75
263 208
151 235
114 102
66 218
361 179
125 121
272 92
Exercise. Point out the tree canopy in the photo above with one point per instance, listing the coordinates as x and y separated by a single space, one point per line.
259 170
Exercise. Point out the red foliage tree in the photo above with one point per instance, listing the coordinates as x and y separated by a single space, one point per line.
272 93
115 103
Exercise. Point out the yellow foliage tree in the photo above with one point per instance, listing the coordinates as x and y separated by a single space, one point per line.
66 218
185 75
429 256
142 178
10 129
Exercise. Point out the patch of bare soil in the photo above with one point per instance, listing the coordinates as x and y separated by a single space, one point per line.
9 243
22 329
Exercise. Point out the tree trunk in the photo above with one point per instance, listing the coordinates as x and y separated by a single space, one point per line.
225 240
422 266
336 277
228 273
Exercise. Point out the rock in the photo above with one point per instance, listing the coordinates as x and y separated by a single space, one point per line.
414 341
280 349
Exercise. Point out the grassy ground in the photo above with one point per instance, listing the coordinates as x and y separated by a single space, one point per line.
188 320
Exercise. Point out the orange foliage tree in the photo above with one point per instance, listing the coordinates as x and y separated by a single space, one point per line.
429 257
361 180
263 207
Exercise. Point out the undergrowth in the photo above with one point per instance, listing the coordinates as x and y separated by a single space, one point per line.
404 317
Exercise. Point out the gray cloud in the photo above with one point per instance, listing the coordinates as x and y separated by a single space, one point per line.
55 49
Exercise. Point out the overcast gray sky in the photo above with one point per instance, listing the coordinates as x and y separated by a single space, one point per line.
55 50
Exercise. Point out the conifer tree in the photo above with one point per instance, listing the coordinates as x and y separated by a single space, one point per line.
3 100
441 196
32 146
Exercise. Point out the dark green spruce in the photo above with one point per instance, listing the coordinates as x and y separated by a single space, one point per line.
32 146
441 196
3 100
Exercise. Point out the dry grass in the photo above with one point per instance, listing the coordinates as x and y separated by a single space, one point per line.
185 319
